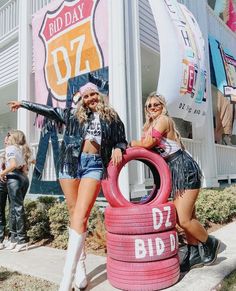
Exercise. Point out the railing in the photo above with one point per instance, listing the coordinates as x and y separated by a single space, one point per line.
49 173
38 4
226 162
9 15
226 157
194 147
9 18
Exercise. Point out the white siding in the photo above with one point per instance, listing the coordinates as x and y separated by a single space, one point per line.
7 122
9 65
148 29
9 18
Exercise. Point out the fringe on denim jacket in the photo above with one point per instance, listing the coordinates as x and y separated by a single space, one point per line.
113 135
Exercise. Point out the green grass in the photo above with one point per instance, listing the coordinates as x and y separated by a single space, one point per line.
229 283
14 281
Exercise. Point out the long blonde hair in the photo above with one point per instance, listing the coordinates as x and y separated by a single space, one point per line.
105 111
17 138
149 119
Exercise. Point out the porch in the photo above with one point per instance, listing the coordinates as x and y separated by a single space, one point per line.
226 165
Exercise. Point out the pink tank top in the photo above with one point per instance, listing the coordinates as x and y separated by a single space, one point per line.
168 146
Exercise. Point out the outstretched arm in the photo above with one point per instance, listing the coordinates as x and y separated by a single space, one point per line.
14 105
45 110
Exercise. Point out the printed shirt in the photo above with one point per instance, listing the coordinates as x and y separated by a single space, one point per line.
94 129
14 152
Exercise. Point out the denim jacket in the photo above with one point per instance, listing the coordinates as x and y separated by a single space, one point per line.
113 135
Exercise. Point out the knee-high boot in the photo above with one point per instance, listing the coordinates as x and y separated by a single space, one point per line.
74 249
80 275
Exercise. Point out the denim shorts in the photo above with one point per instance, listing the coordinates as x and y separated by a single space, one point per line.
89 166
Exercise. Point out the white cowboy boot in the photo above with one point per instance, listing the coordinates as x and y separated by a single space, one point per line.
74 249
80 275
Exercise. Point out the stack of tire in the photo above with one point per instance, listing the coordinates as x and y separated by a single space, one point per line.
142 242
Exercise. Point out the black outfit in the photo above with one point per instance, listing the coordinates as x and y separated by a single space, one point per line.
185 172
17 186
3 201
112 135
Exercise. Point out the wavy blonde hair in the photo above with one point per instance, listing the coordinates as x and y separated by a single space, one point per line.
17 138
104 110
149 119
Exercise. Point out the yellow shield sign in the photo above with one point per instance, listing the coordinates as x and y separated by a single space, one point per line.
71 45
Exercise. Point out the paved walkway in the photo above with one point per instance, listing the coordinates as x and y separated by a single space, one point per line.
47 263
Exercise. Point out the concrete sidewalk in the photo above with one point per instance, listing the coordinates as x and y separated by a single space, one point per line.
47 263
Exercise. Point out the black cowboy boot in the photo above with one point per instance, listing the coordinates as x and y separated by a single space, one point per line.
192 259
210 250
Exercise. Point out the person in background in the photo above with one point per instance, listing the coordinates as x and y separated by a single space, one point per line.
17 155
161 135
93 135
3 201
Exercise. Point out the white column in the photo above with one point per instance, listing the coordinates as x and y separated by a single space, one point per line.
134 88
117 73
206 132
25 63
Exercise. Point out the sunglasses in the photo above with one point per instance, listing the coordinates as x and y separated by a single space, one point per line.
89 95
154 105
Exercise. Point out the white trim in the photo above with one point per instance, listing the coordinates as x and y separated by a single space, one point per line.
25 64
117 73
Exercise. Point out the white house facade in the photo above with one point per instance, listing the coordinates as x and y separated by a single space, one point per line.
134 65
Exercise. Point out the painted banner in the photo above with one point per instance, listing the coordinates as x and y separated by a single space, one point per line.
224 69
182 78
69 40
70 48
224 64
232 15
226 10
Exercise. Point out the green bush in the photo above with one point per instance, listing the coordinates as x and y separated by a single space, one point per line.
47 218
37 220
59 221
48 201
217 206
96 216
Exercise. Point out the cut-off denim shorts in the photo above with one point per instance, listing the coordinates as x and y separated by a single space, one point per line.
89 166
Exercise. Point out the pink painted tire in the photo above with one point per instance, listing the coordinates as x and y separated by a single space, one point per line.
142 248
140 220
144 276
110 185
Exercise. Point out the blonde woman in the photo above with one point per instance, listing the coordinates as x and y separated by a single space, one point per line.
160 134
3 201
93 132
17 157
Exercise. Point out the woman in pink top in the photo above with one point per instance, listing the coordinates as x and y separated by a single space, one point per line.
160 134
